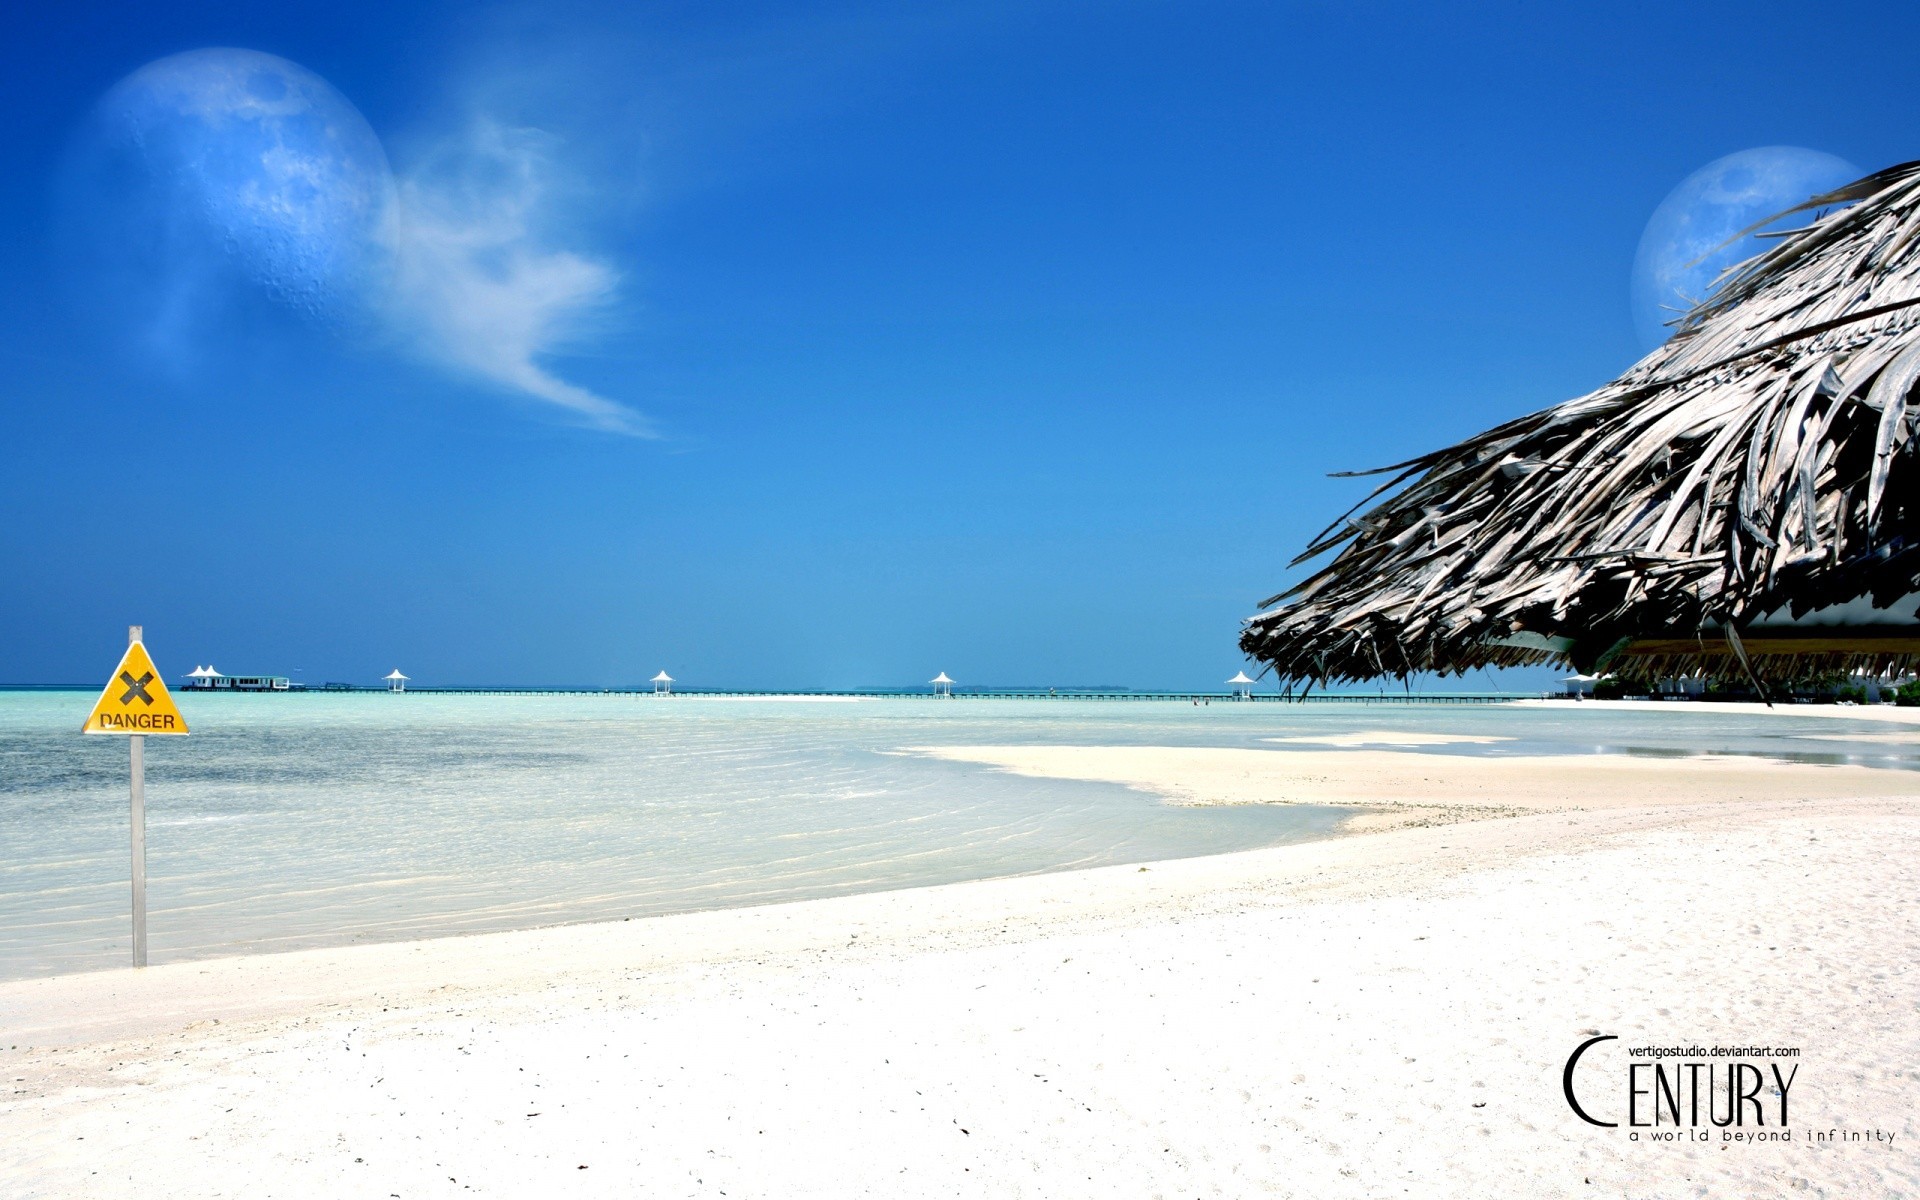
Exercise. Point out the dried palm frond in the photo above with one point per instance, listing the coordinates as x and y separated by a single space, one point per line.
1758 467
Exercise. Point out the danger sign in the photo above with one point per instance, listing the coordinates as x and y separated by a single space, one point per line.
135 700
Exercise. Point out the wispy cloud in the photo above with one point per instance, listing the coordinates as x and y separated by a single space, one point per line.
478 283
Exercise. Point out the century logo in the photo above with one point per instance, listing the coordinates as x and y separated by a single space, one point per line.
1723 1087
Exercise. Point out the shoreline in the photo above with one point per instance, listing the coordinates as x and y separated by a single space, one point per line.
1336 1018
1389 789
120 1002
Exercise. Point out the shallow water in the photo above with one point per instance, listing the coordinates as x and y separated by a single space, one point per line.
309 819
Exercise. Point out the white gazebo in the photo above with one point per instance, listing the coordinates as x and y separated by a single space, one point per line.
663 684
1577 686
942 686
1241 685
396 682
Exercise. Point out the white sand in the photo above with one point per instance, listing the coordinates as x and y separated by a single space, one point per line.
1379 1015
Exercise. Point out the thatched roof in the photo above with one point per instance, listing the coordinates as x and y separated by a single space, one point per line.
1746 497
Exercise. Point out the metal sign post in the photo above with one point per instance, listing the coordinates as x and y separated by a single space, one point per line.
136 703
137 752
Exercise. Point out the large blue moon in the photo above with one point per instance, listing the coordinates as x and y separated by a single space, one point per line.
1683 250
216 175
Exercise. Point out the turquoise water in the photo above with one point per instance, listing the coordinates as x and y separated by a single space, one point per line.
309 819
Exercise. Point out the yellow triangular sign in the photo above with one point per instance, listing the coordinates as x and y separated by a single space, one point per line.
136 700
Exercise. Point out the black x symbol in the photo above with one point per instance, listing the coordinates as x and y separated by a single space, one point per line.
136 687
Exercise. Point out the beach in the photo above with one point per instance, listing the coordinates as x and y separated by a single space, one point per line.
981 601
1385 1013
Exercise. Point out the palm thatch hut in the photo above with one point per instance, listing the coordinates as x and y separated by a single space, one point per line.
1744 500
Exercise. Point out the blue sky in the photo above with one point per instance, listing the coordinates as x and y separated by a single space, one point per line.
1009 340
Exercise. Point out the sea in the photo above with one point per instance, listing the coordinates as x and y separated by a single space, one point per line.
307 819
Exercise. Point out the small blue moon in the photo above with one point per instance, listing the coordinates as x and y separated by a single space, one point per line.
1684 250
219 172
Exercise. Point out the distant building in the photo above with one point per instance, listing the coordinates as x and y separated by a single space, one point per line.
1575 686
206 679
663 684
1691 686
396 682
942 686
1241 685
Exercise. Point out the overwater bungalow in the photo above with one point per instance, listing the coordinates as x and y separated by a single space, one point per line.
1744 501
206 679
